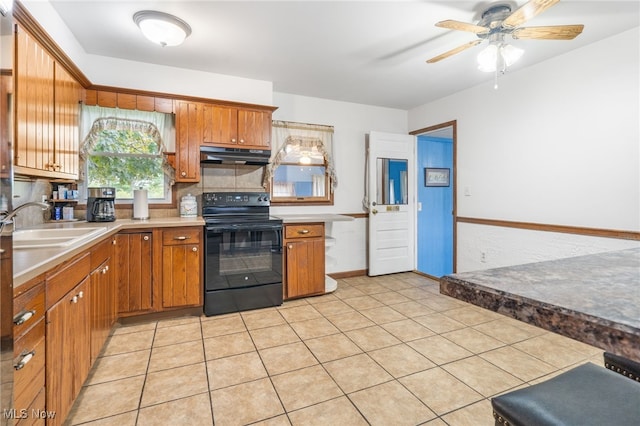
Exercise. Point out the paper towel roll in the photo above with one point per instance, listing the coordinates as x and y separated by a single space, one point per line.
140 204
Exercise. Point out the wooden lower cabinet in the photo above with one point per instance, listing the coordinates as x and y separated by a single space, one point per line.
181 267
133 272
304 260
29 352
104 307
68 350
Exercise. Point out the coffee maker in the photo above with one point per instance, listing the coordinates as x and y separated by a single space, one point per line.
100 204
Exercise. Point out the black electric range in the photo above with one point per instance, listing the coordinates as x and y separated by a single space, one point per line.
243 252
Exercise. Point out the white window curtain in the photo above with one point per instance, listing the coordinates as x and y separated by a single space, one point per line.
95 119
287 135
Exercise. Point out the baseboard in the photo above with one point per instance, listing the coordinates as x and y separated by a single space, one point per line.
433 277
348 274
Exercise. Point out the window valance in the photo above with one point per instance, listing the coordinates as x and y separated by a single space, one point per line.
312 141
95 120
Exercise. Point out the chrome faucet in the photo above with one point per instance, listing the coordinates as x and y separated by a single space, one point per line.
9 216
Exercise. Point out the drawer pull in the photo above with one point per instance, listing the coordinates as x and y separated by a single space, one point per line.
23 317
181 238
303 231
24 359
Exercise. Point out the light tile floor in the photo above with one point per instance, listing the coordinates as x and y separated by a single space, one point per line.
387 350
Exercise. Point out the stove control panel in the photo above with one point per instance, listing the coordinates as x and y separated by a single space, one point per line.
228 199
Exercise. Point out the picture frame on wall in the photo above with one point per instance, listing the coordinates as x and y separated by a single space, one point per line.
434 176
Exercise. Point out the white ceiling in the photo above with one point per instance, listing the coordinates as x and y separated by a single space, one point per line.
369 52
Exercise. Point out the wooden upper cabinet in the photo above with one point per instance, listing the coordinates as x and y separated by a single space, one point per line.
47 113
68 94
254 128
34 106
236 127
220 125
188 139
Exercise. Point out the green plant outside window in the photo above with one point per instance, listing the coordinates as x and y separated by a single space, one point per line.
127 160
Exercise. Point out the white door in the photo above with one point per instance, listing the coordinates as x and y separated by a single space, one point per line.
391 176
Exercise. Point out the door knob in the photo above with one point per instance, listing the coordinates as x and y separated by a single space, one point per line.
374 211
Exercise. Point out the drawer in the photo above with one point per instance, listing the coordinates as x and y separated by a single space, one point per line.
304 230
178 236
28 309
101 252
65 277
29 379
29 417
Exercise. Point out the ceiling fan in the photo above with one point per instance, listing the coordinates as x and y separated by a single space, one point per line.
499 21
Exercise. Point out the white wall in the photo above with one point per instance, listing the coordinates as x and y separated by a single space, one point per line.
557 143
107 71
351 123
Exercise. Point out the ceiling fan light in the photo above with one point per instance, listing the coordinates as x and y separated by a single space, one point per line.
510 54
487 58
162 28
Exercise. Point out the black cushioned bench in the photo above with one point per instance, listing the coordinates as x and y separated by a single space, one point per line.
583 396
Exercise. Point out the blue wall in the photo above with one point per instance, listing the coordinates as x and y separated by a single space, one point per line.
435 221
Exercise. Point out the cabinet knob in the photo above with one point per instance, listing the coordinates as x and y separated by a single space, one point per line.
241 140
146 238
23 317
233 140
24 359
194 249
290 246
81 295
183 174
113 241
74 299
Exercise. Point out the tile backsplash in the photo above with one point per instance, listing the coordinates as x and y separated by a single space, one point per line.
214 178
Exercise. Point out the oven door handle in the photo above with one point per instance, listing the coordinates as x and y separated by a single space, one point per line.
238 228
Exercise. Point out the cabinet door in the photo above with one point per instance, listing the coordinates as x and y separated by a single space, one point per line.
254 128
220 124
305 267
181 284
68 94
188 140
34 106
103 307
133 273
68 356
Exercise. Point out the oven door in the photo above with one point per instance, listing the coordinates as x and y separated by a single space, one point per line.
243 255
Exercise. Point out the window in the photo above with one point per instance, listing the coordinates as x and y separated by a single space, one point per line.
301 170
126 154
127 160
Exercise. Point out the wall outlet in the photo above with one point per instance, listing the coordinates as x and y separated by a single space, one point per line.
483 257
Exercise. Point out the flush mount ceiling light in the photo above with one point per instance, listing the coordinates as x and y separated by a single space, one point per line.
162 28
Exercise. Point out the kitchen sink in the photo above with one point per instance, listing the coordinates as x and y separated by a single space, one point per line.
53 237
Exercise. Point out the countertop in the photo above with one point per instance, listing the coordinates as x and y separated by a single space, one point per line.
29 263
310 218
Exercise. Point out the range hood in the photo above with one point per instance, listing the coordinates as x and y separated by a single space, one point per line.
216 155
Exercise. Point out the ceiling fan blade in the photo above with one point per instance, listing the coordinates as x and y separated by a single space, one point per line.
527 11
453 51
559 32
462 26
